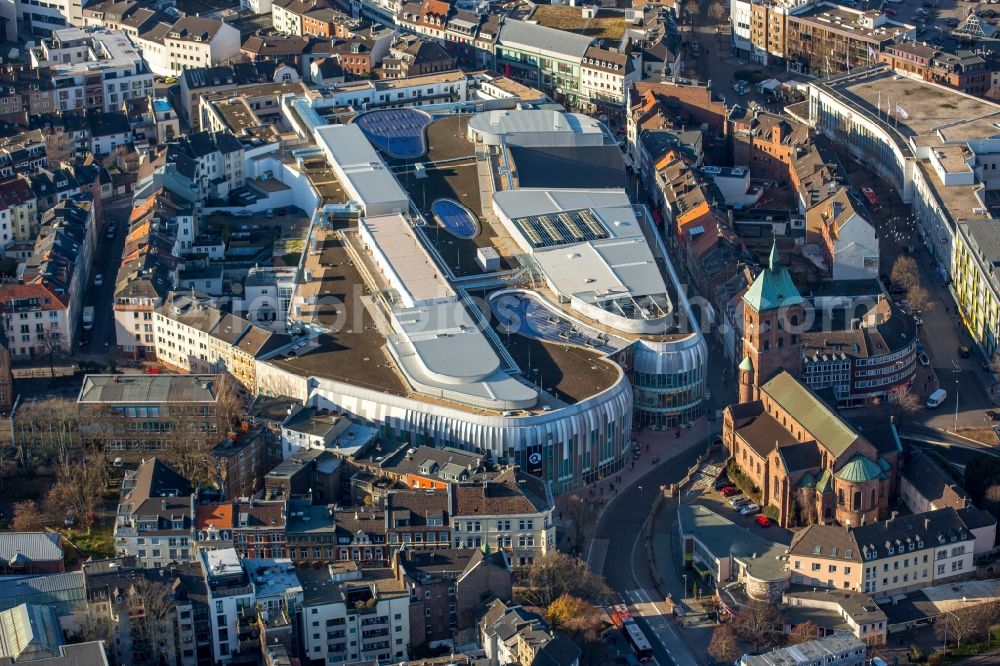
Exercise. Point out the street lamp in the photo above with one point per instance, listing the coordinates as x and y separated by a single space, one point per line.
955 424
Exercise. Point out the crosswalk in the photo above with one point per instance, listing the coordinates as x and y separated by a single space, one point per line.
655 612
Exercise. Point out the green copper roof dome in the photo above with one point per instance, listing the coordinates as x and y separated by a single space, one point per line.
773 288
859 469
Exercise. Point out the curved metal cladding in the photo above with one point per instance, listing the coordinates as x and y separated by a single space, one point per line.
668 379
568 446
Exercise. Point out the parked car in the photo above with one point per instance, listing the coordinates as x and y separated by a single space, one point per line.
243 213
889 11
992 415
729 491
963 351
762 520
740 502
922 358
722 483
750 509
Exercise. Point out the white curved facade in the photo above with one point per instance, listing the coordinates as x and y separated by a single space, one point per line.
668 381
577 443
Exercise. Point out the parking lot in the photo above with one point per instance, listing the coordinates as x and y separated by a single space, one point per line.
936 19
702 491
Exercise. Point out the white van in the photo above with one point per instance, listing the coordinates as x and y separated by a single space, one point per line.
936 398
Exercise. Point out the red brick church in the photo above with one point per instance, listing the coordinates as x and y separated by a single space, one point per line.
806 460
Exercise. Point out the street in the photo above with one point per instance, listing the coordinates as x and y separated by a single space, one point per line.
625 565
101 345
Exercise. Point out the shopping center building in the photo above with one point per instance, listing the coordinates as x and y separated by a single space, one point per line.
543 338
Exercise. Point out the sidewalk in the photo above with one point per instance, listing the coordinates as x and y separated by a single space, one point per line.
654 447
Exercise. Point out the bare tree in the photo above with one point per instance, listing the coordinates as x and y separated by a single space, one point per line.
805 499
52 342
187 451
27 517
555 574
906 403
995 364
803 632
152 604
960 626
95 628
905 272
78 493
919 298
756 624
717 12
724 646
691 8
581 515
231 405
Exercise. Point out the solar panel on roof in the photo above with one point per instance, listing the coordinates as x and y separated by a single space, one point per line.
566 227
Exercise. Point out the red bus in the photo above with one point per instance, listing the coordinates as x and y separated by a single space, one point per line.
622 618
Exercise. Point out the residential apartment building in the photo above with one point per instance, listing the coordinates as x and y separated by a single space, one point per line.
350 614
230 598
92 68
962 70
21 208
447 588
824 39
417 519
115 590
318 18
413 56
605 75
213 161
189 43
238 462
192 335
43 308
163 204
230 79
512 513
884 558
845 242
511 634
259 529
42 18
155 516
133 414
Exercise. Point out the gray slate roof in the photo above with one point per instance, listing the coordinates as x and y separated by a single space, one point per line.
519 33
36 546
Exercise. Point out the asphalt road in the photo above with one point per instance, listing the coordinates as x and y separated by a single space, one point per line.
108 256
625 564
